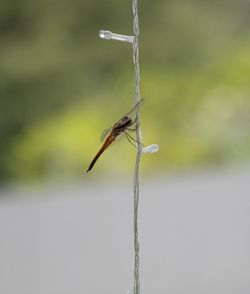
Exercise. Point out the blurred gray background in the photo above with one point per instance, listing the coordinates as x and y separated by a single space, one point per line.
194 236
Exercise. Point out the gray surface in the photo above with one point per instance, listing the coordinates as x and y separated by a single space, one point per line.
194 237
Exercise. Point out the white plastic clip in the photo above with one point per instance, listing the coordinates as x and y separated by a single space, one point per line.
151 148
111 36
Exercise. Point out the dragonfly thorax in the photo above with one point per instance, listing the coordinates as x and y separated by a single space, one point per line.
123 123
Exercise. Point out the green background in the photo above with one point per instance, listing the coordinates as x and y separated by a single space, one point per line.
60 85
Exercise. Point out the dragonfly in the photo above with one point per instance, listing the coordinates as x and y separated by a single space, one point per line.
122 126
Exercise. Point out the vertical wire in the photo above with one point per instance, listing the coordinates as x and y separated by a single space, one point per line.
139 148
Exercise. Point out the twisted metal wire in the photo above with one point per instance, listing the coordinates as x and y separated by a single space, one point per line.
139 146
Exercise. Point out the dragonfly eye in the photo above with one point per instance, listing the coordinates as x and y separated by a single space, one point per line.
126 120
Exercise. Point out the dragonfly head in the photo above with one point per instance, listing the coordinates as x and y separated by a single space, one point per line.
124 123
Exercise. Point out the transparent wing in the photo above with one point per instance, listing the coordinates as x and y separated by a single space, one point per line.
105 133
128 113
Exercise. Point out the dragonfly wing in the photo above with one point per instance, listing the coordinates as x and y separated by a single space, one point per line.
105 134
128 113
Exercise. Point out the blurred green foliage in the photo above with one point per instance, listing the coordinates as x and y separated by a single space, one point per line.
61 86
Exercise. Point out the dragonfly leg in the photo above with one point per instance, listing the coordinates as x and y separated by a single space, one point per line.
130 140
133 129
130 137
